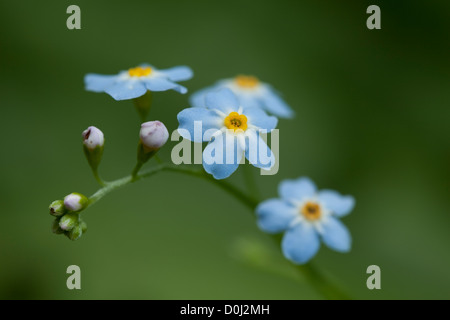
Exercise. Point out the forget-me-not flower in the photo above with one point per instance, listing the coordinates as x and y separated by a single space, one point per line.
306 215
251 93
135 82
232 132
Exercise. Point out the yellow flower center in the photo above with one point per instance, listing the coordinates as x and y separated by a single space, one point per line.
248 82
236 121
139 71
311 211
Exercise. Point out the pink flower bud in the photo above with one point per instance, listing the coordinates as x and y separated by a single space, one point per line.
153 135
93 138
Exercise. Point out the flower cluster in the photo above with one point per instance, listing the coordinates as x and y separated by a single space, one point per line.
152 136
232 117
232 114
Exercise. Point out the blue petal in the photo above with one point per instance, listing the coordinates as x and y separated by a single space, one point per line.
197 99
179 73
297 189
260 119
126 89
249 100
222 156
275 215
300 243
187 119
162 84
257 151
275 105
336 235
98 82
340 205
223 100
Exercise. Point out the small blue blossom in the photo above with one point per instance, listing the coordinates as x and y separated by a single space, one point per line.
135 82
306 215
231 132
251 93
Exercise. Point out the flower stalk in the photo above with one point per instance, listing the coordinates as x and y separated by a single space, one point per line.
143 105
314 277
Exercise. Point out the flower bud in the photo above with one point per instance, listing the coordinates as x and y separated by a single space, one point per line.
55 227
153 135
75 233
68 221
75 202
93 141
57 208
93 138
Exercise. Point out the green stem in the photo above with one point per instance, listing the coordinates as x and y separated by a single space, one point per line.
114 185
97 177
134 173
110 186
231 189
143 105
313 276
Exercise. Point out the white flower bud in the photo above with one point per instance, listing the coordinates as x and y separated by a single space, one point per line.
153 135
75 202
93 138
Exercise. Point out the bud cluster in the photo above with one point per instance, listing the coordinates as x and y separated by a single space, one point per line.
67 213
153 135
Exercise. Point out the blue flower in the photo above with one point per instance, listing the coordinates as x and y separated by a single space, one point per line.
251 93
135 82
232 132
306 216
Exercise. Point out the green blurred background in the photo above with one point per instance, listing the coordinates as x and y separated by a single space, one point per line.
372 121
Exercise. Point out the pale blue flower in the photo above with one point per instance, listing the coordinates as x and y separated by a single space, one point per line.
135 82
251 93
306 216
232 132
